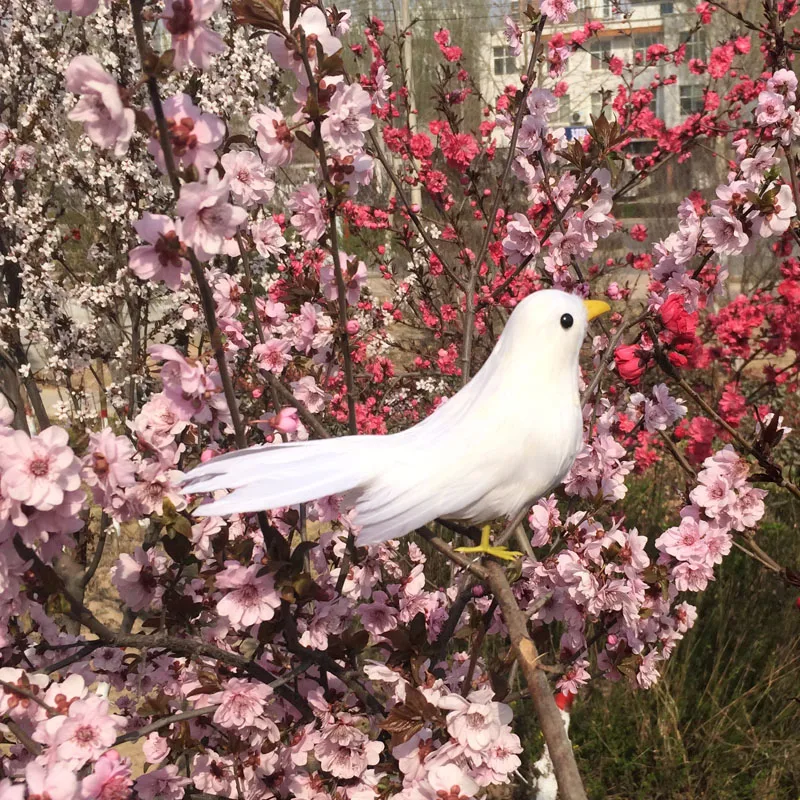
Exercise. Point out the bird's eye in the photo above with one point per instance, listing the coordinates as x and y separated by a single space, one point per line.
566 321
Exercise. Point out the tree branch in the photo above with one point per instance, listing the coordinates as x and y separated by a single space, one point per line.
569 780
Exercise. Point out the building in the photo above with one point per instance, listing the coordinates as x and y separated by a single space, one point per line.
631 26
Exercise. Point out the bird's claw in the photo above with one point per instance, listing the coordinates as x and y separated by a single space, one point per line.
503 553
487 549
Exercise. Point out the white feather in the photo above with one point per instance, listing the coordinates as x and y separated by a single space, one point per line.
505 439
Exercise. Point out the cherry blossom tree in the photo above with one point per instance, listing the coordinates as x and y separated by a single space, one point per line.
208 240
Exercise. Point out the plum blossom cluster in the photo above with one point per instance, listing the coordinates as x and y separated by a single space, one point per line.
224 267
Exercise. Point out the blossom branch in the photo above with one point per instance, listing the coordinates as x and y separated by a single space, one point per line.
569 780
164 722
198 273
469 291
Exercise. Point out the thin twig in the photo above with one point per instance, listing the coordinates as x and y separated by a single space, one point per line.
132 736
21 691
477 644
90 571
475 264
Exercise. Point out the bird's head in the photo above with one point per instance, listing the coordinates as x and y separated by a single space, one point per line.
549 326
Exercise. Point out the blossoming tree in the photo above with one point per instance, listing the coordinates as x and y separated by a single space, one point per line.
205 213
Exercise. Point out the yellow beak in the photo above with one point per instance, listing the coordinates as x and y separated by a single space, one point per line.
594 308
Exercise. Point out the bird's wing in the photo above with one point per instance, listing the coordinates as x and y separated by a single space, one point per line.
396 483
285 474
436 471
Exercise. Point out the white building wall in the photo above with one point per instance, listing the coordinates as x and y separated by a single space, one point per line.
644 23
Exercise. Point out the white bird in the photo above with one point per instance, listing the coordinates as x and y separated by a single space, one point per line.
500 443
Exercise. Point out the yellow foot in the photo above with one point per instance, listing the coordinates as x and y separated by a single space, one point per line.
502 553
485 548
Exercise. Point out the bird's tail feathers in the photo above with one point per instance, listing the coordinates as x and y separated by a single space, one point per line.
274 476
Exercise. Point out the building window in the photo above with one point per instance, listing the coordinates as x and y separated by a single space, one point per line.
696 46
667 8
641 41
599 49
504 61
564 109
692 99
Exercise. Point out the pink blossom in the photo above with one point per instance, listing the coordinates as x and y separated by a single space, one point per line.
520 240
108 466
164 783
558 10
180 375
227 294
513 35
308 212
251 598
754 168
354 274
662 411
273 137
448 782
272 314
108 659
779 217
81 8
691 576
192 39
502 758
314 25
212 774
345 751
12 791
285 421
164 257
17 706
748 509
58 782
382 86
378 617
248 180
714 494
686 542
412 753
648 673
267 237
155 748
23 162
88 731
348 117
309 393
770 109
724 231
136 578
38 471
543 518
208 218
194 135
107 122
784 82
110 780
475 721
541 103
242 704
273 355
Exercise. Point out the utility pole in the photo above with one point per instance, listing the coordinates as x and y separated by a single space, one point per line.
416 191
